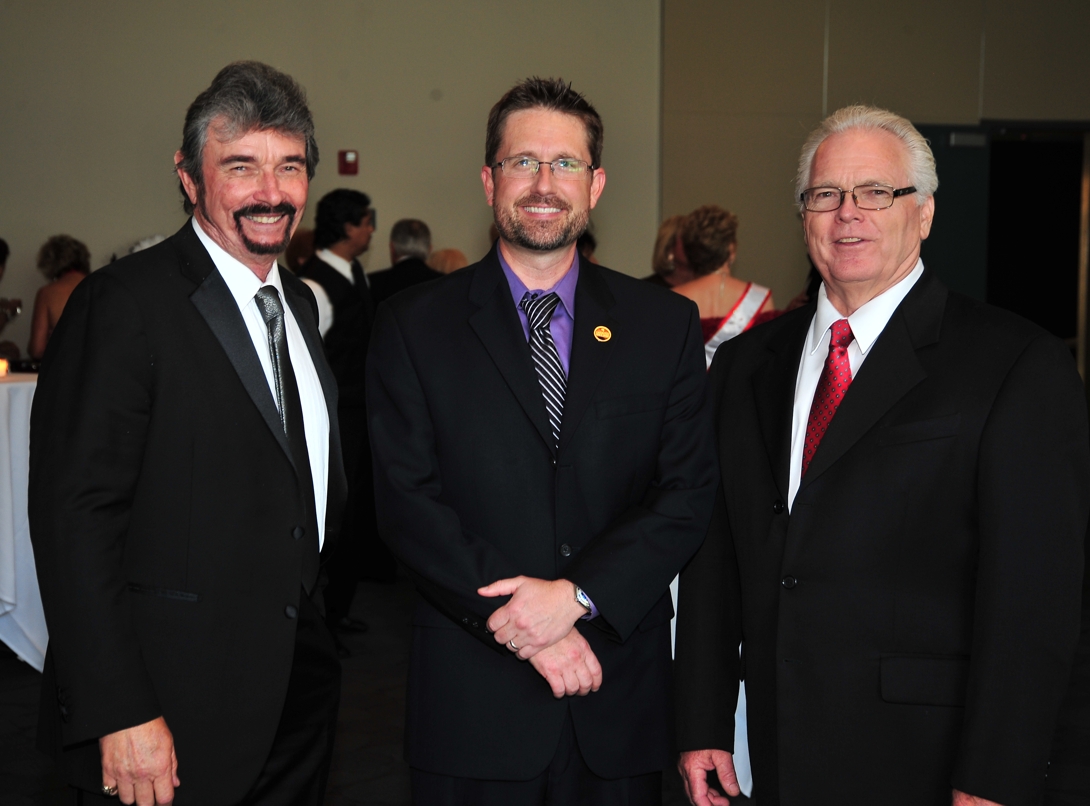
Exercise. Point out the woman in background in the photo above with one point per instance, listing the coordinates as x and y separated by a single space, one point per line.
65 262
728 306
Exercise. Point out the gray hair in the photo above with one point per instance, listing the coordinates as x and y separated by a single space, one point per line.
245 97
410 237
921 162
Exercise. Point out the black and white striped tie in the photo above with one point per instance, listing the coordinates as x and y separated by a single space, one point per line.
550 372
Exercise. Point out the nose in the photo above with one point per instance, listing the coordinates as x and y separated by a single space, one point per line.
269 189
848 211
544 180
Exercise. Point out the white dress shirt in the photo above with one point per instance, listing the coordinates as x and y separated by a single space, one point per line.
244 285
867 324
325 306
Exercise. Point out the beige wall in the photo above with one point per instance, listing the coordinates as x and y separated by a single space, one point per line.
744 82
92 98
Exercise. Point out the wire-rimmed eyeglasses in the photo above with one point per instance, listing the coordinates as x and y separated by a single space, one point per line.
524 167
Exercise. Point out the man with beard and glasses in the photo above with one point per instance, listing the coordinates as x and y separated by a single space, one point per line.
543 467
186 483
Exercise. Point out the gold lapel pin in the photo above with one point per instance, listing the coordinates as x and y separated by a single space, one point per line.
602 333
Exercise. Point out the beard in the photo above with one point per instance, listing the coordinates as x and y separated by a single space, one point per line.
284 208
540 236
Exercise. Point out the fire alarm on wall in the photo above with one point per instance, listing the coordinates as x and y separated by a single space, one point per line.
348 163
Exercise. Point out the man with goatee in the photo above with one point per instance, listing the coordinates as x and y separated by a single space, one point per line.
186 483
543 466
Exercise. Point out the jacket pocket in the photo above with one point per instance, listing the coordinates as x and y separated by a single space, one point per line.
920 431
164 593
629 404
925 679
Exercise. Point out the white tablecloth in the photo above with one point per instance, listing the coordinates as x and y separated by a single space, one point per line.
22 622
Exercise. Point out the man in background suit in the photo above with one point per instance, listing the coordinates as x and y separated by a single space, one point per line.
898 542
543 466
410 247
343 224
185 475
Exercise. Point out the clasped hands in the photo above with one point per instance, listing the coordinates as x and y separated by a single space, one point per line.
537 624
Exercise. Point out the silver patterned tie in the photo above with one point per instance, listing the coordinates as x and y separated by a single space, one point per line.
550 372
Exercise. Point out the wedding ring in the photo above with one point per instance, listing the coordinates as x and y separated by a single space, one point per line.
109 791
511 644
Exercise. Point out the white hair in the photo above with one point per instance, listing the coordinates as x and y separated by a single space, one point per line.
921 162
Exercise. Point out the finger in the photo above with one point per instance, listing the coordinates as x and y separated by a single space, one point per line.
716 799
163 789
585 682
174 768
556 682
727 776
501 587
594 667
497 622
125 792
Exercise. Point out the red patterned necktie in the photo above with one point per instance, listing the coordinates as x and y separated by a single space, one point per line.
831 388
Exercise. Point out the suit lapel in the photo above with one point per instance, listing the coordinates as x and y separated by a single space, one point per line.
214 302
497 326
589 356
774 390
886 376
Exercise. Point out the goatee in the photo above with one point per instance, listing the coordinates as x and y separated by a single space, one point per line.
544 236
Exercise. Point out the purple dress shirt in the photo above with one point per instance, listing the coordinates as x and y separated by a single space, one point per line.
560 325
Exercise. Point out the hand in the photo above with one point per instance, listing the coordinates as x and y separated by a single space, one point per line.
540 613
140 762
569 666
962 799
694 766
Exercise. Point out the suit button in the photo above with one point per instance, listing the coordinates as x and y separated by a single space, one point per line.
789 582
565 550
290 611
476 625
778 507
64 713
298 532
465 620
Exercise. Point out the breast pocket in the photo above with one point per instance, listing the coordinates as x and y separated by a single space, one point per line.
921 430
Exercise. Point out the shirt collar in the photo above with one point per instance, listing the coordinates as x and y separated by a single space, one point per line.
565 287
869 320
337 262
241 282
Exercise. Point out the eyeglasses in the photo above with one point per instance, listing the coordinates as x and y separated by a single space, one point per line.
866 197
525 167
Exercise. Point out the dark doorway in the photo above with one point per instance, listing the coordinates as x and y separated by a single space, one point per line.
1034 217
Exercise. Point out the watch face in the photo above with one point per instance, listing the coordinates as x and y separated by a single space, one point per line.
582 598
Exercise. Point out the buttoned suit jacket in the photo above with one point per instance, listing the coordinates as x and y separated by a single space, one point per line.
167 520
470 489
908 627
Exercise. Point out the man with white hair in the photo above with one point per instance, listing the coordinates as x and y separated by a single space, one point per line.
898 538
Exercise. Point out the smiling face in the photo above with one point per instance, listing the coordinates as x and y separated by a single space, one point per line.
861 253
542 213
253 193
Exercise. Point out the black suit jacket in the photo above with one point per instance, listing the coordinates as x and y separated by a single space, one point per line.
908 628
470 490
164 508
347 339
403 274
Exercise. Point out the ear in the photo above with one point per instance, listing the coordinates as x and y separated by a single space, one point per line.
597 185
187 180
489 184
927 215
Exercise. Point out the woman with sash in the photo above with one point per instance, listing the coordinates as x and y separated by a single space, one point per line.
728 306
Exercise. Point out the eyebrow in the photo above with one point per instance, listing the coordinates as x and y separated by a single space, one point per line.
250 160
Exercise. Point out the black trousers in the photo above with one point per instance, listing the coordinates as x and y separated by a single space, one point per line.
297 769
567 781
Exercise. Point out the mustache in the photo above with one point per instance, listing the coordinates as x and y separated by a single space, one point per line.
534 200
284 208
